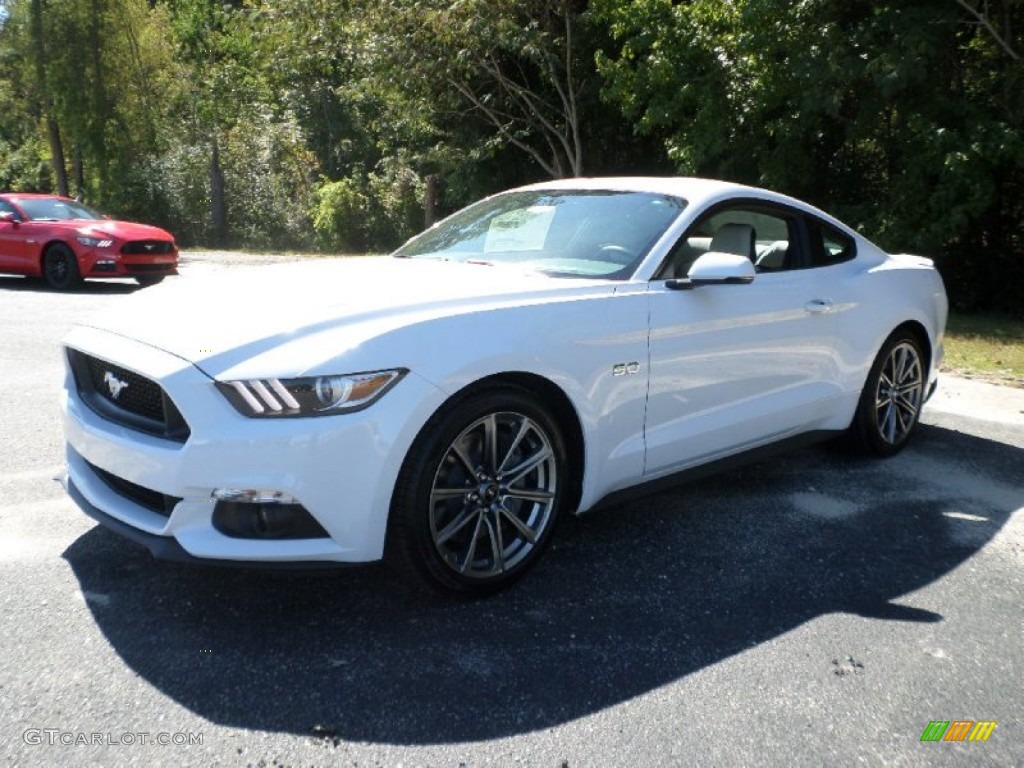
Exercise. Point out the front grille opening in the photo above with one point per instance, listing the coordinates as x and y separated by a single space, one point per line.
126 389
126 397
152 500
147 247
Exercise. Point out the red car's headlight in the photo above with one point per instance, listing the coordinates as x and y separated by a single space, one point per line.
94 242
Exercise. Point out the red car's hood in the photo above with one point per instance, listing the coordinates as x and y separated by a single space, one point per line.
121 230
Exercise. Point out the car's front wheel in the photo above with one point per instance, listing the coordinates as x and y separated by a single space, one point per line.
479 493
60 268
890 404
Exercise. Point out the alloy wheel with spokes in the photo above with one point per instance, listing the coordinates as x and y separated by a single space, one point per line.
493 494
890 405
898 394
479 493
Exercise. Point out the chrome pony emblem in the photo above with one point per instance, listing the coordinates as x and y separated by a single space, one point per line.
114 384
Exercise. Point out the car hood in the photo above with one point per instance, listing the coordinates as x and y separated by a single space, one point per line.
285 319
121 230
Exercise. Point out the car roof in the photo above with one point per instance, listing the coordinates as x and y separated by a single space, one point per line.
696 191
680 186
32 196
692 189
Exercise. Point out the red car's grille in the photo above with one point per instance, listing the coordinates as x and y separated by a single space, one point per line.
147 247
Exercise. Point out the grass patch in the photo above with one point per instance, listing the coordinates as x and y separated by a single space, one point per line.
986 346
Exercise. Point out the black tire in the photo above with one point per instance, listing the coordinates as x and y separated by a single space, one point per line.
147 280
60 268
460 521
890 404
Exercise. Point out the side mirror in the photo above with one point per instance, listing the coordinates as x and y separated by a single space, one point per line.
715 268
9 217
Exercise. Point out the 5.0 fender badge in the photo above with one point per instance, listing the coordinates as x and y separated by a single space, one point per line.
621 369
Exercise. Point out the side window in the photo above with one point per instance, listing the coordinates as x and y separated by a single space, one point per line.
6 207
828 245
767 237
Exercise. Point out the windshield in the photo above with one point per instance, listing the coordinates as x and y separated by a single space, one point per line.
52 209
601 234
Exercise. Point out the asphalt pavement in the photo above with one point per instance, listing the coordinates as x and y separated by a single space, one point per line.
814 609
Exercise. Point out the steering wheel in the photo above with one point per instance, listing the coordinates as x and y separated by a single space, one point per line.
613 248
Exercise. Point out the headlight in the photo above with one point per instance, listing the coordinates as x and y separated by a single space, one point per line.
94 242
309 395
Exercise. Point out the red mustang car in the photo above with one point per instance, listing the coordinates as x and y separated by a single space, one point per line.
64 241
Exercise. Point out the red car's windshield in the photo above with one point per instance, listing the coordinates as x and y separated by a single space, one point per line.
53 209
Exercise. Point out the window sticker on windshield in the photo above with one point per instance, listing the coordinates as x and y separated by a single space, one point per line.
523 230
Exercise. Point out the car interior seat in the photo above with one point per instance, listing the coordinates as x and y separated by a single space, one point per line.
773 258
739 239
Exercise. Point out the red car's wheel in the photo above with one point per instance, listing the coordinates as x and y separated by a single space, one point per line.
60 268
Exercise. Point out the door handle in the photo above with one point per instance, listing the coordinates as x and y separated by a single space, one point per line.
818 306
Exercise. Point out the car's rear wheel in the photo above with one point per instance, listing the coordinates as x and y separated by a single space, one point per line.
893 395
147 280
479 493
60 268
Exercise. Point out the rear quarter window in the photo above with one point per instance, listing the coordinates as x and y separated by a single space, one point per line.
829 245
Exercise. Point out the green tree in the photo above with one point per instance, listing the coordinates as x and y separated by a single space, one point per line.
902 117
518 70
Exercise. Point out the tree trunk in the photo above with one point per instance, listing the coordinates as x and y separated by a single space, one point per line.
100 110
217 208
79 171
56 153
45 105
430 201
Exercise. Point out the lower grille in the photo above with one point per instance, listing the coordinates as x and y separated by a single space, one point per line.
147 247
125 397
147 268
152 500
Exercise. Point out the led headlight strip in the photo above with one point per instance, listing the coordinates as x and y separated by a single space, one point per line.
309 395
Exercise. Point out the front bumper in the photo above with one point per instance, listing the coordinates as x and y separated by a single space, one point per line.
168 548
94 262
342 469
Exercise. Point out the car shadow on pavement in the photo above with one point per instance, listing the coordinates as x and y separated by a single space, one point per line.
98 287
630 599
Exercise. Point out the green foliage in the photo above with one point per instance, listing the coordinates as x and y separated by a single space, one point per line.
987 345
372 213
341 216
397 192
267 170
23 165
901 117
292 123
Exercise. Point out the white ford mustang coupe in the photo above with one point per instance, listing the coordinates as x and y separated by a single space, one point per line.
531 355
